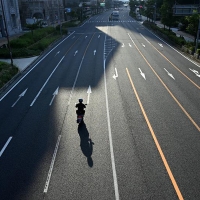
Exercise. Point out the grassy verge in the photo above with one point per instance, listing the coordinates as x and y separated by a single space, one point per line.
6 73
36 41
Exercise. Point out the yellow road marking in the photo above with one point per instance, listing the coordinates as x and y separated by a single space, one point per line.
182 108
156 142
175 67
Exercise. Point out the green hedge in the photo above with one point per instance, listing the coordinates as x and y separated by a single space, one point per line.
170 34
44 43
30 38
6 73
21 43
18 53
32 44
198 51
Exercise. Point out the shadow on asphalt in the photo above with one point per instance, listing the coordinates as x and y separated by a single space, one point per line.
86 143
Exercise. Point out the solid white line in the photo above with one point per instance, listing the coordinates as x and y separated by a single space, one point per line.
46 82
32 68
110 136
8 141
51 166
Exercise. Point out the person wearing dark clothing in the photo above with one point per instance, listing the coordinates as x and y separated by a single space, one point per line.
80 107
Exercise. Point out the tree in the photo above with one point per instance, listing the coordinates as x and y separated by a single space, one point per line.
34 26
73 14
133 4
166 11
193 22
150 9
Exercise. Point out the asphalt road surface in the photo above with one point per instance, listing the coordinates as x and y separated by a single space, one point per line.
141 134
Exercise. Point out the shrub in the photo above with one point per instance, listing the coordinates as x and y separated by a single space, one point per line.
4 53
44 43
198 51
24 52
21 43
6 73
192 48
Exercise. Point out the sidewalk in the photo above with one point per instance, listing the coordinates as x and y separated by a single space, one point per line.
21 63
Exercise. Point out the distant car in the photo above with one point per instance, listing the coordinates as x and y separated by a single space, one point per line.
115 15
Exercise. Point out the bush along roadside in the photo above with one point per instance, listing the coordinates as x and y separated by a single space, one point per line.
35 42
169 36
7 72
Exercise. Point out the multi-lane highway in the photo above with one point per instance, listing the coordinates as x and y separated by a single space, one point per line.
141 137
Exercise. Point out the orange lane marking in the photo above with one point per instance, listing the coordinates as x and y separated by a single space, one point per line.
176 67
176 100
156 142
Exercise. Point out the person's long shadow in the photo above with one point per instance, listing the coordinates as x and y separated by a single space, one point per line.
86 143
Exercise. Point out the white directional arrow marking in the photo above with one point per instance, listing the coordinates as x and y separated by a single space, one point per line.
142 74
160 44
143 45
115 76
54 94
123 45
195 71
57 53
75 52
169 74
99 36
20 96
94 52
129 45
89 91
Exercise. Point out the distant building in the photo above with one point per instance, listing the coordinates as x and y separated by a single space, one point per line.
12 18
50 11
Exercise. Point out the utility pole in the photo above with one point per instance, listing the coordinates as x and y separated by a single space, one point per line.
59 16
7 36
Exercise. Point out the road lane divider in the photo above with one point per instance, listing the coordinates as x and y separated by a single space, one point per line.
109 130
178 192
172 63
51 166
175 99
110 140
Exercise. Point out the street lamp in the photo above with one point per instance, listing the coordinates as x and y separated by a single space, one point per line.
7 36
